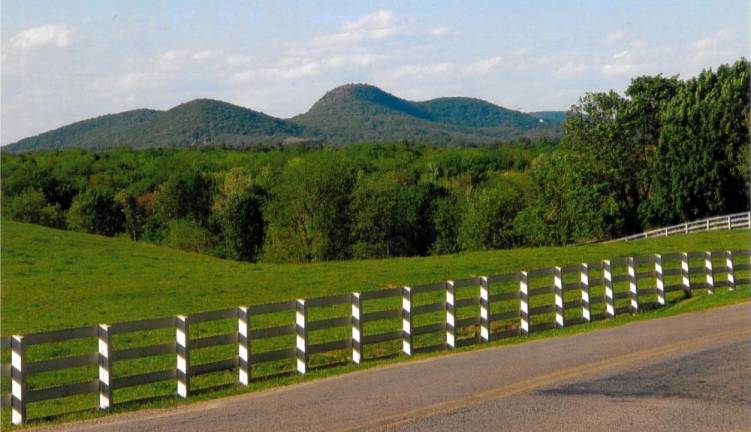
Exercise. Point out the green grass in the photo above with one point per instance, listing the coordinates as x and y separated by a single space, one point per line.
55 279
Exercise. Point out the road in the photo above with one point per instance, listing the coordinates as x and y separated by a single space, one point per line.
690 372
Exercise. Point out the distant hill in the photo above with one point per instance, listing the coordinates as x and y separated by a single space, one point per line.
550 117
361 112
347 114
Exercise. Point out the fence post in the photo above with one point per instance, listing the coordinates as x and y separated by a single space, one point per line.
356 328
666 232
709 270
105 366
450 315
633 289
243 345
749 220
524 303
301 331
484 309
659 280
730 227
707 224
607 277
584 286
182 348
730 269
558 286
18 380
407 320
685 273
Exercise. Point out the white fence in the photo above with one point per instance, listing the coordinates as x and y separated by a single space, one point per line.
715 223
625 283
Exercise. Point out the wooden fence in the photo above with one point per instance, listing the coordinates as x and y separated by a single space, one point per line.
716 223
528 308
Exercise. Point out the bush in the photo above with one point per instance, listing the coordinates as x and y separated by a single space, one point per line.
95 211
188 236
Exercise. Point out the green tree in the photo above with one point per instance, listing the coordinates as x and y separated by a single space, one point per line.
96 211
185 195
239 208
701 164
489 215
308 218
187 235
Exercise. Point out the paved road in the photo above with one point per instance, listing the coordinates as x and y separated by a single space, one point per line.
688 372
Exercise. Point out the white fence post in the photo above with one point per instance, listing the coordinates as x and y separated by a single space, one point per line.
450 315
730 227
407 320
243 345
584 286
686 274
607 278
633 290
18 380
709 270
182 348
356 328
558 287
730 270
301 332
105 366
484 309
524 303
659 280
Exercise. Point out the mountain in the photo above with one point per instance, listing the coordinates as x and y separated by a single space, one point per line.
361 112
550 117
100 132
347 114
195 123
210 122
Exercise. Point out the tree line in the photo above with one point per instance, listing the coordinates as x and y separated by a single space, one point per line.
667 151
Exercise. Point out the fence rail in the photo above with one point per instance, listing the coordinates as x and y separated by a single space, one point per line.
715 223
524 302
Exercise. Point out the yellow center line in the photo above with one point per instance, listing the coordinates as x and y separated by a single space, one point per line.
524 386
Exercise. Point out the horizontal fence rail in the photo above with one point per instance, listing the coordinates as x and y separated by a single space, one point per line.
477 309
716 223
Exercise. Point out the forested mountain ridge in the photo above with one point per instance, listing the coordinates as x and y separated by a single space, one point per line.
347 114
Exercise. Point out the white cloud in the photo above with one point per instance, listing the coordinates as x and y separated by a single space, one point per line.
482 67
614 37
57 35
621 54
571 69
421 71
439 32
376 20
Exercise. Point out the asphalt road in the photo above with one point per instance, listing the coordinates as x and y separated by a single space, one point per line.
688 372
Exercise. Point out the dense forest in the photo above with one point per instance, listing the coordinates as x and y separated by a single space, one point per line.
667 151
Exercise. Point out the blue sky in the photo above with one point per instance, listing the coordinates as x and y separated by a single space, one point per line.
67 61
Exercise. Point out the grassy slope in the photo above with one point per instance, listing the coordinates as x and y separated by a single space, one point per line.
69 279
54 279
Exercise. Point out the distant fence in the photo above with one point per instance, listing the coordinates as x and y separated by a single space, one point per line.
715 223
534 300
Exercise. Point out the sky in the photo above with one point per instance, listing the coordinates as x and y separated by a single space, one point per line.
68 61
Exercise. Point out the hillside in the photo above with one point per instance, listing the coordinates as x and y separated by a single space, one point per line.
210 122
346 114
196 123
361 112
101 132
73 279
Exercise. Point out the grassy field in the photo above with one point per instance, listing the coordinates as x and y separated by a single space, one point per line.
56 279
